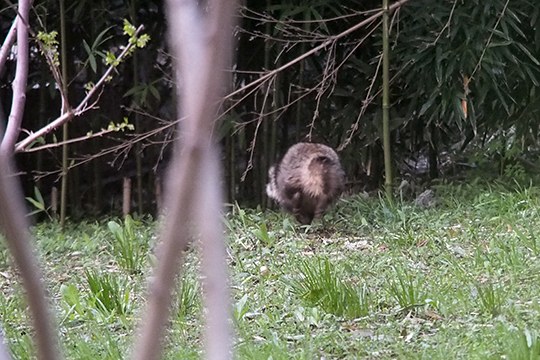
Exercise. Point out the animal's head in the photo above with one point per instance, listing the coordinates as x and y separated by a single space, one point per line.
304 218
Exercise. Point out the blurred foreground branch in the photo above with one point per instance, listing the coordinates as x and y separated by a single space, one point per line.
201 42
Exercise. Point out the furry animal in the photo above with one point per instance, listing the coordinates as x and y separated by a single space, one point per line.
307 180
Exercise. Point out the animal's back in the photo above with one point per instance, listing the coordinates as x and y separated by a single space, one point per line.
307 180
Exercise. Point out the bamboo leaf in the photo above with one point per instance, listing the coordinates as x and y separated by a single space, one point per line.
101 39
39 206
528 53
38 196
532 76
154 91
427 105
93 63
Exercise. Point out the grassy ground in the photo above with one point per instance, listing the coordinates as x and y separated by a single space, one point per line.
374 280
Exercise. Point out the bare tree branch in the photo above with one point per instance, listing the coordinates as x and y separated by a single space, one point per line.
19 83
100 133
7 45
13 222
202 47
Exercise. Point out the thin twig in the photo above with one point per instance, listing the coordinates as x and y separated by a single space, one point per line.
447 25
323 85
367 100
264 18
260 119
492 32
329 41
83 105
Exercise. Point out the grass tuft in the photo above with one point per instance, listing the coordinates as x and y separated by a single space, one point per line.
406 288
109 293
320 285
491 298
127 247
189 299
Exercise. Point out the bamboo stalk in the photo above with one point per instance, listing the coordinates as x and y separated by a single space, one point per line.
386 103
158 195
54 201
138 147
126 197
65 129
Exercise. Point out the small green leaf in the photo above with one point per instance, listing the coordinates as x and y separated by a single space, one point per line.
110 58
129 29
143 40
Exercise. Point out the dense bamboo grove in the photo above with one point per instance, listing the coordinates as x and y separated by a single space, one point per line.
463 89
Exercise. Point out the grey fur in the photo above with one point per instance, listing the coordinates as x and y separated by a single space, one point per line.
306 181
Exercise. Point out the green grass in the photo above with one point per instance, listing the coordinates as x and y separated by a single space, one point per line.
374 280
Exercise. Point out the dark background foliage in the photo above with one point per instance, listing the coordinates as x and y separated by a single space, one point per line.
464 80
